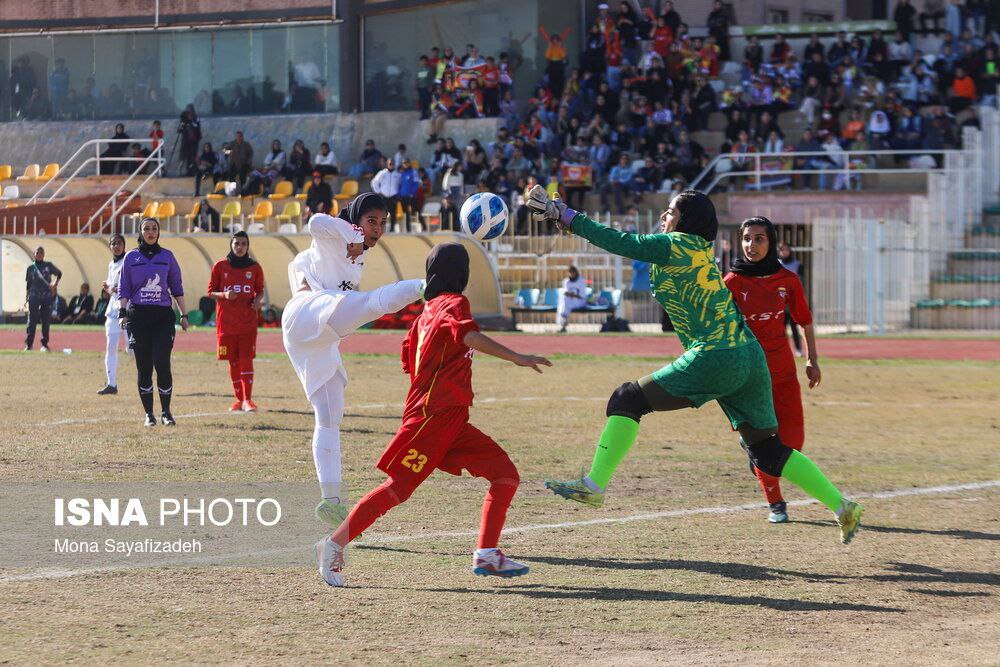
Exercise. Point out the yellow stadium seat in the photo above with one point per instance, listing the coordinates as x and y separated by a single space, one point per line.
232 210
283 190
150 209
51 169
30 173
293 209
305 191
334 207
219 192
194 211
6 172
262 211
348 189
165 209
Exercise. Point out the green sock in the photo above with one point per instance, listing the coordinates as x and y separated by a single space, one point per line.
805 474
617 438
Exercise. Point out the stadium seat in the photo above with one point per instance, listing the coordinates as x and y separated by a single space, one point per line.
263 211
283 190
51 169
293 209
256 228
288 228
232 210
165 210
527 297
6 172
430 214
348 189
305 191
30 173
149 211
194 211
334 207
11 192
219 192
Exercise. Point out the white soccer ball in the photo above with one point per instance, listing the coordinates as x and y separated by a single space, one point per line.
484 216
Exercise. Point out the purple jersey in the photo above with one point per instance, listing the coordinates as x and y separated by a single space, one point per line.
145 281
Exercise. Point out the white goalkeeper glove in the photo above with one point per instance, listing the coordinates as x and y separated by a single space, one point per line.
544 209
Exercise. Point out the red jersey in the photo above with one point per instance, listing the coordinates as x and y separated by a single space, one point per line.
438 362
763 302
237 316
662 38
491 76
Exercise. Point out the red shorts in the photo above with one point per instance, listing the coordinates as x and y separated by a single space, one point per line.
237 346
443 440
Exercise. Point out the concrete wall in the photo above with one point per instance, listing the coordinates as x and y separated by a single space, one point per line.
396 257
26 142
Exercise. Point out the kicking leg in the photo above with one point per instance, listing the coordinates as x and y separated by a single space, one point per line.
775 458
358 308
627 405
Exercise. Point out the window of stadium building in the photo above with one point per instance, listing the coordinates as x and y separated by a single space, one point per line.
240 71
394 41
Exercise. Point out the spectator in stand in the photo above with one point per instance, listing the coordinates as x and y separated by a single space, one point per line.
703 104
808 144
904 15
836 159
453 181
400 155
155 135
963 91
619 184
299 164
954 21
839 50
240 159
426 189
647 179
409 187
206 220
41 282
319 199
779 50
933 13
627 26
425 84
718 27
59 88
988 76
909 134
80 306
440 162
814 46
491 88
138 155
900 53
368 162
386 183
594 51
600 155
189 129
661 36
475 161
753 56
449 215
111 162
275 166
325 161
854 128
879 130
555 57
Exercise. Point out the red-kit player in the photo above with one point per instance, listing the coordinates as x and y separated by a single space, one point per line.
436 433
237 285
763 290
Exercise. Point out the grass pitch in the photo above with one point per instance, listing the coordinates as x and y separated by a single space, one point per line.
919 584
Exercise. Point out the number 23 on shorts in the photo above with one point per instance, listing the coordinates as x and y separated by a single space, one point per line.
414 460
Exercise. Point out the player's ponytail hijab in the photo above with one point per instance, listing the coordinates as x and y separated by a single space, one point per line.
234 259
363 203
764 267
447 270
149 249
697 215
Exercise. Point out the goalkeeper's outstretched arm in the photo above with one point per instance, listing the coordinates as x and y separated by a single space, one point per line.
652 248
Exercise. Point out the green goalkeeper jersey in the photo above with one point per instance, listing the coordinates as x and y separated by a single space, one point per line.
684 279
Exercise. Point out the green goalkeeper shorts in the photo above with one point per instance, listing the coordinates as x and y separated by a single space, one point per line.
735 377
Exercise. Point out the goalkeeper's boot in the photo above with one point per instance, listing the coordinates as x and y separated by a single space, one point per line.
331 561
849 518
332 512
237 406
577 490
779 512
495 564
249 406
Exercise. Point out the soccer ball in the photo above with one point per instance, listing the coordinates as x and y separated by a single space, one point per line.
484 216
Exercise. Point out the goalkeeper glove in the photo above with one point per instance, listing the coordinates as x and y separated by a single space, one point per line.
544 209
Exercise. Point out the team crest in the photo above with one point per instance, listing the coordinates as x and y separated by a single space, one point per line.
783 293
248 274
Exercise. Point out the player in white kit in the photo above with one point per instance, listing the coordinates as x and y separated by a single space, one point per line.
325 308
113 332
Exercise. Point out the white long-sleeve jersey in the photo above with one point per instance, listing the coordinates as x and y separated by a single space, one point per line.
114 277
324 265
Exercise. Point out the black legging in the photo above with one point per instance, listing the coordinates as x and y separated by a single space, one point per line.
151 337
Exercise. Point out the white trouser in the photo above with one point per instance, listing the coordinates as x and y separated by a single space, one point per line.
358 308
113 334
328 406
566 306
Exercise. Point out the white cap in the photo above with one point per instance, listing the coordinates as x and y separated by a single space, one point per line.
603 5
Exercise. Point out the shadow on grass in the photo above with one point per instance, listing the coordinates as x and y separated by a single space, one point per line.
925 574
898 530
602 594
740 571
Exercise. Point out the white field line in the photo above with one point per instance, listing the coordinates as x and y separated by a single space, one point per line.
395 539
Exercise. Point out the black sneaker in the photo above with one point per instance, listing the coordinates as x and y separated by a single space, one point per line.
109 389
167 419
150 420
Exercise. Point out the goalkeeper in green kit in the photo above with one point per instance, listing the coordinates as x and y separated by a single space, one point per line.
722 359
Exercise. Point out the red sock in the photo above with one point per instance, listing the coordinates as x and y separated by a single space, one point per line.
772 489
246 378
495 514
379 500
234 375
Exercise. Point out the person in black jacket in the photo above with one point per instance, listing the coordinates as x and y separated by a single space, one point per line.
718 27
109 164
449 216
320 196
189 130
41 291
80 306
